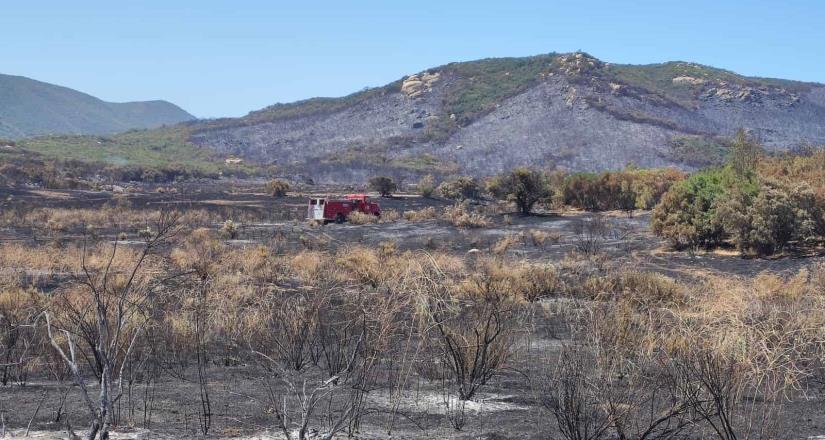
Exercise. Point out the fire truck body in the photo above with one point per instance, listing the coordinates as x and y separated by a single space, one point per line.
338 210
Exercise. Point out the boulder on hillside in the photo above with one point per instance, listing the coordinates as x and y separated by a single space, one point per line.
688 81
416 85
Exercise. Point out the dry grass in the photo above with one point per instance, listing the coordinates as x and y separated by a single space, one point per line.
421 215
117 214
649 289
460 216
504 244
44 258
360 218
439 314
541 238
520 281
390 215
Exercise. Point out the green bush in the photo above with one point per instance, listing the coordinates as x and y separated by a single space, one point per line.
767 222
759 203
524 186
384 185
461 188
758 216
686 214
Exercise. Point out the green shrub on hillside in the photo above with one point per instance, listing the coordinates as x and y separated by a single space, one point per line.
484 83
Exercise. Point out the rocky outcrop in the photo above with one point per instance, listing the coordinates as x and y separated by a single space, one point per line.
726 92
416 85
578 64
688 81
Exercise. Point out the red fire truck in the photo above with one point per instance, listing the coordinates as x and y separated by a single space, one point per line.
337 210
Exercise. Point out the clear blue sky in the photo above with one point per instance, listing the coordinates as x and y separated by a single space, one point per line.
225 58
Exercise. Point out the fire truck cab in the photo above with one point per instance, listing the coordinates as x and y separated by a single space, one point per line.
338 210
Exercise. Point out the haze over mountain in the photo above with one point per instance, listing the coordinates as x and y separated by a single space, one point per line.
33 108
481 117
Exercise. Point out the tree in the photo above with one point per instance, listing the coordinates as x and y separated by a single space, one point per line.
685 215
524 186
384 185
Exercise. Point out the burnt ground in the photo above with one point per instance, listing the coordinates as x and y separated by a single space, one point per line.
625 239
506 409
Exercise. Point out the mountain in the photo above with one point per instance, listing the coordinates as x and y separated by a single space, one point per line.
34 108
571 110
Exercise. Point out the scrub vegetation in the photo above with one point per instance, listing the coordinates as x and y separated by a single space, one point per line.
531 304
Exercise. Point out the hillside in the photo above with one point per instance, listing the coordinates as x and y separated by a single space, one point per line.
481 117
34 108
569 110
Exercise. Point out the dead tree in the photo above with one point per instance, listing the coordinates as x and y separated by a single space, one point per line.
711 383
295 408
116 310
572 398
201 356
474 335
324 400
475 347
590 234
17 310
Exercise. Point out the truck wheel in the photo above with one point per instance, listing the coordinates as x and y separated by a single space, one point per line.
340 218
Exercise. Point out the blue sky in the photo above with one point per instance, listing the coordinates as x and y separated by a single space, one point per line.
225 58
